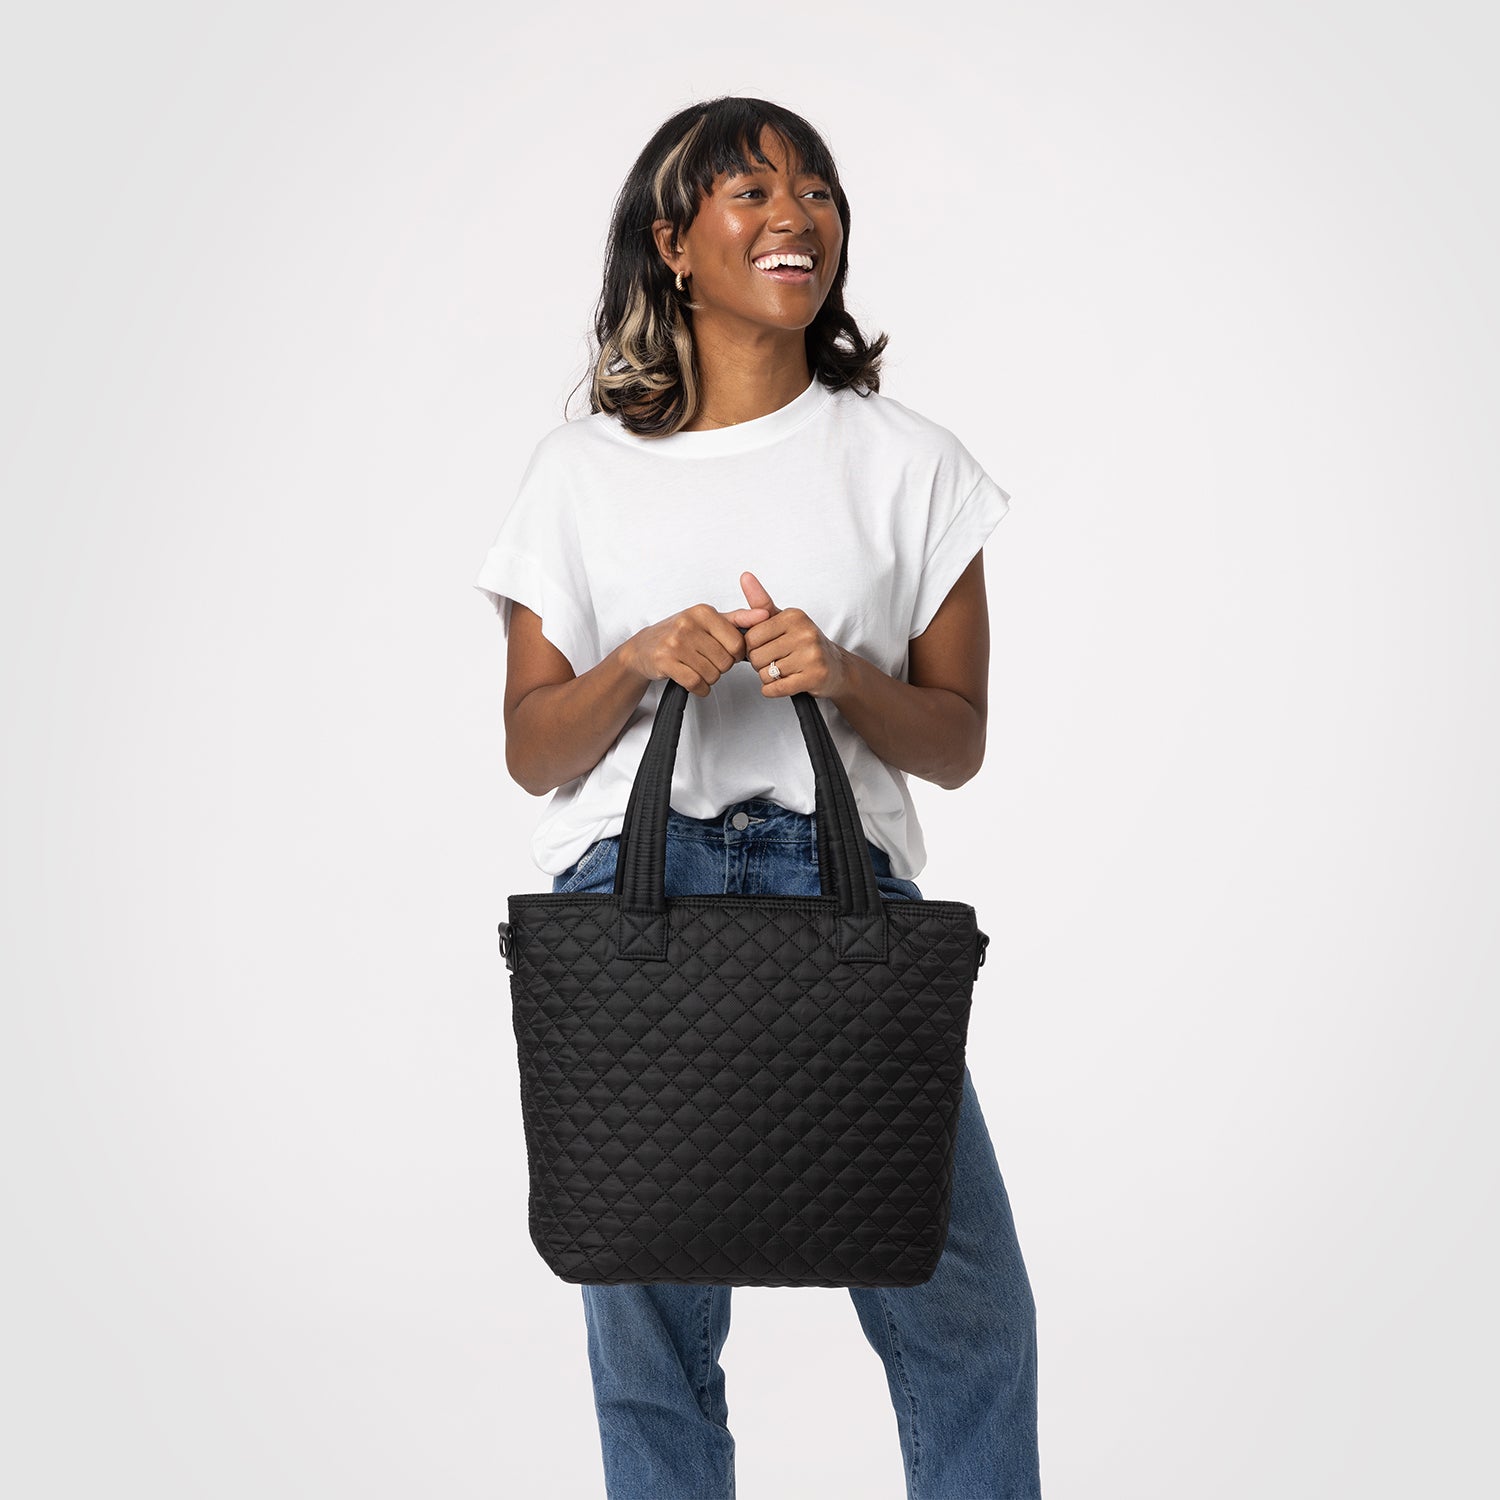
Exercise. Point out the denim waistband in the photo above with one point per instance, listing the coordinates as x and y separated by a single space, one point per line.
756 819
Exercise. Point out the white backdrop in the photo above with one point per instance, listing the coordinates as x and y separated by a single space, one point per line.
292 290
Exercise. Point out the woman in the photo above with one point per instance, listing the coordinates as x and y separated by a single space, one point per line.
737 439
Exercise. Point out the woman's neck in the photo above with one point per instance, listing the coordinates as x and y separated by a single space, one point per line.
739 381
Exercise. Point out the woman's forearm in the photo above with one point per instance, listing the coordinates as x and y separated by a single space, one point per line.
559 732
929 732
562 731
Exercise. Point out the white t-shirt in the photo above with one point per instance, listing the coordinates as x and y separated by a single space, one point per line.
852 508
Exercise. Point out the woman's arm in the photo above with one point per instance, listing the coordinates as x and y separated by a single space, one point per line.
932 725
558 725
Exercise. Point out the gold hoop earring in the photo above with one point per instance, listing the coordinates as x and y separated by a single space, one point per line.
680 286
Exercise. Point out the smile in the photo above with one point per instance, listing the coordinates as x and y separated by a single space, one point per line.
793 266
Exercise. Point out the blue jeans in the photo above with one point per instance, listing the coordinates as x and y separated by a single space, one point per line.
959 1351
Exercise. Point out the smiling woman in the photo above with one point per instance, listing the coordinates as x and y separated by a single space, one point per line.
761 255
737 421
716 189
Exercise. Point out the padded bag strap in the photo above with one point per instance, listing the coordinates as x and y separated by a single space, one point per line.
844 864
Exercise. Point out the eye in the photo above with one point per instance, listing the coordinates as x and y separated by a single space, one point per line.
822 193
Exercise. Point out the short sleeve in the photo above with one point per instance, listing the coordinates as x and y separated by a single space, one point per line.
959 524
536 560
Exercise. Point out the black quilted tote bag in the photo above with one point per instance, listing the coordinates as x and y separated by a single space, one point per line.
740 1090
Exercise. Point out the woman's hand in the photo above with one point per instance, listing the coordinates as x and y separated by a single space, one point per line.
695 647
807 660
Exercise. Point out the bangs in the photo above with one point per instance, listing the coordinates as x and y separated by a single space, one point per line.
726 138
644 370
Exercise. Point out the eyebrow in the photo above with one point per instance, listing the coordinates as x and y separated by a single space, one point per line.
754 169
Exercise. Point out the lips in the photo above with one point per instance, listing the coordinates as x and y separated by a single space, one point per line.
792 266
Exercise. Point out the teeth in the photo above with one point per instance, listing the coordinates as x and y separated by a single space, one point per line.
769 262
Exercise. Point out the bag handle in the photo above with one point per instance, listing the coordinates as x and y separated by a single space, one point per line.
844 864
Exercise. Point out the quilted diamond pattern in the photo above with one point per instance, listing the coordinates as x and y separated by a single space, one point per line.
740 1090
748 1112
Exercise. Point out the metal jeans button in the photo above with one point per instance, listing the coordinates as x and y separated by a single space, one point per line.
741 820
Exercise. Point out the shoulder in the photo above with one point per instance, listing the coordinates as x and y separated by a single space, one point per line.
576 437
881 423
572 453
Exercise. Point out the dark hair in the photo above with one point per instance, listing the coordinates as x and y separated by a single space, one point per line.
645 368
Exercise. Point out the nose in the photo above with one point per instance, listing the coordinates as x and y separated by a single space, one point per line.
789 213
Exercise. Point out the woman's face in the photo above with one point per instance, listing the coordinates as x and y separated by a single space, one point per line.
778 209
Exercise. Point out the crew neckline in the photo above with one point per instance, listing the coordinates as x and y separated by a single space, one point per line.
739 437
